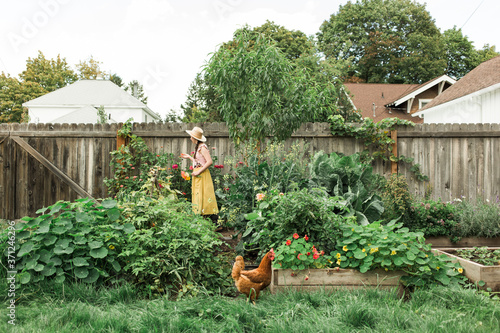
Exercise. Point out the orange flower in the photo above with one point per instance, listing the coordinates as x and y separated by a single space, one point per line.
296 236
288 242
185 175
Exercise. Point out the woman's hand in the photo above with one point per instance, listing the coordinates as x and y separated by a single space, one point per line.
195 173
185 156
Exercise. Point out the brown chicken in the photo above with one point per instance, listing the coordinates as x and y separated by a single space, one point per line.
252 282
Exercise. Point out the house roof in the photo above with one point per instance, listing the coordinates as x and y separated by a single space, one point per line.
90 92
483 76
364 95
421 88
86 115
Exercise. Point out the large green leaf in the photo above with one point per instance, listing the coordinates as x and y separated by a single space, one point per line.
95 244
99 253
92 277
81 272
25 248
109 203
38 267
79 261
24 277
60 279
128 228
49 240
49 270
45 255
113 214
43 228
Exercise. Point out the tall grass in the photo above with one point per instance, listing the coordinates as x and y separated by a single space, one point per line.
80 308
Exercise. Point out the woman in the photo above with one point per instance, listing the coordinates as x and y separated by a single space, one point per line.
203 195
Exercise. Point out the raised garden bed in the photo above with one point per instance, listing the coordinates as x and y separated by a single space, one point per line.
329 279
474 271
445 242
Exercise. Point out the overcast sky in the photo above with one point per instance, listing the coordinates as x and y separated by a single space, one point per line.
164 43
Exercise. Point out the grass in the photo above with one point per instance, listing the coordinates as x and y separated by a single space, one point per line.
82 308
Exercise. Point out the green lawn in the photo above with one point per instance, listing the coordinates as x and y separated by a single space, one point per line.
80 308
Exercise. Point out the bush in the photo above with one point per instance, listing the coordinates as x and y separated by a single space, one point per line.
273 169
76 241
478 218
397 200
305 212
173 250
435 218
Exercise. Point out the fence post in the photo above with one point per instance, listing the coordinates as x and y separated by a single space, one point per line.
394 164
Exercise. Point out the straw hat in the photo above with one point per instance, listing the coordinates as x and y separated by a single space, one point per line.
197 133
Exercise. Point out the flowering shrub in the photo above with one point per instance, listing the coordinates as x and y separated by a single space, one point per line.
393 247
434 218
296 253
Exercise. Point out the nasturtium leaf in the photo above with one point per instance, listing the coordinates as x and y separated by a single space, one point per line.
410 256
80 262
49 240
56 261
56 208
80 240
99 253
81 272
443 278
60 279
62 221
386 262
30 263
398 261
38 268
359 254
25 277
48 270
59 271
63 242
44 255
128 228
59 230
22 235
92 277
95 244
58 249
85 230
83 217
113 214
42 210
43 228
109 203
25 248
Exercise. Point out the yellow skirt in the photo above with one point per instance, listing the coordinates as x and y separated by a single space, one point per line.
203 195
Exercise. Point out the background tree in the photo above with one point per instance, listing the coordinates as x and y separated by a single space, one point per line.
201 102
259 94
116 79
90 69
137 90
49 74
388 41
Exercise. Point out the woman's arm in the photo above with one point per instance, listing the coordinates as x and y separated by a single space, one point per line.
206 154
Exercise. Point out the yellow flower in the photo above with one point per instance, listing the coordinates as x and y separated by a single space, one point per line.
393 252
385 237
345 248
375 249
363 250
338 262
437 267
337 255
111 247
426 255
460 270
386 269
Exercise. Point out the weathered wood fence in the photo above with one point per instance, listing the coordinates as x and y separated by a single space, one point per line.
43 163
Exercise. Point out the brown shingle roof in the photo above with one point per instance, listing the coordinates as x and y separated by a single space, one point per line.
483 76
365 94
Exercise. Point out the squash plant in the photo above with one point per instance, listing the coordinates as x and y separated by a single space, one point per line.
78 240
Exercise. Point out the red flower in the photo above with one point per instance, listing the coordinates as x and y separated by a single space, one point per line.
126 177
160 185
175 166
315 256
157 155
227 188
308 253
183 193
298 256
296 236
306 238
191 167
307 278
322 253
288 242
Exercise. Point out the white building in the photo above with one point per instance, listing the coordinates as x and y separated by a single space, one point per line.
475 98
78 103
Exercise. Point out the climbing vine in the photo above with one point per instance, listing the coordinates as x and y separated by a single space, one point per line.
377 135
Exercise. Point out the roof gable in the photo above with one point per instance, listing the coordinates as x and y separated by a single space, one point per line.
86 115
441 80
483 76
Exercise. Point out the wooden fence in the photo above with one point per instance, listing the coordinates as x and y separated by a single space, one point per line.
43 163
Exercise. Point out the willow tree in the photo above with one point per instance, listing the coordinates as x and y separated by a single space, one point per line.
261 94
